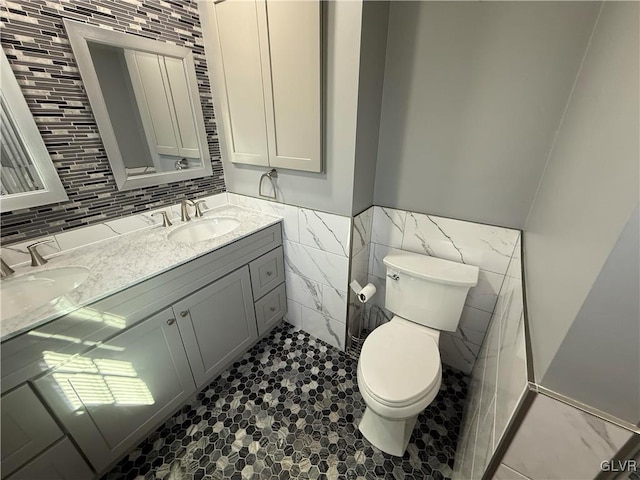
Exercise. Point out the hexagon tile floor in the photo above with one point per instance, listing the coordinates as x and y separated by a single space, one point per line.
289 408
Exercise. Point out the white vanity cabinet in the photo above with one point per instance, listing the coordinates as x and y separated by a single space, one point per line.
110 373
267 73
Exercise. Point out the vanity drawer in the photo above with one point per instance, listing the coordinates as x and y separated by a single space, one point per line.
27 428
267 272
271 308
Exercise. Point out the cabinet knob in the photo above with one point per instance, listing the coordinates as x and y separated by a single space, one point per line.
269 273
171 321
273 309
184 313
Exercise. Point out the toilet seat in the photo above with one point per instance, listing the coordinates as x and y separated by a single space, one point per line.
400 365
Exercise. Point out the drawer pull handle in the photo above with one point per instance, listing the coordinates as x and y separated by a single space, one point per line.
184 313
171 321
269 273
273 309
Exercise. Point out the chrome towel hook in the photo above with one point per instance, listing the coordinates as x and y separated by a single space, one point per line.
271 174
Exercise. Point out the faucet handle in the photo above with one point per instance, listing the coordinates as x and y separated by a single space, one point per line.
197 204
165 218
36 258
5 270
184 211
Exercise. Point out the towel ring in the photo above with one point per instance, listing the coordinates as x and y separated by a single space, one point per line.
271 174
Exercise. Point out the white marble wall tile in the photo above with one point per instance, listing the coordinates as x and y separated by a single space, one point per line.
483 449
465 454
361 233
303 291
84 236
376 259
388 226
294 313
17 253
505 473
457 353
334 303
556 440
323 267
324 231
324 327
486 246
485 294
515 266
360 265
288 213
473 325
512 372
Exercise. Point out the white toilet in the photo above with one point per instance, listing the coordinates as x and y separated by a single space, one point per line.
399 370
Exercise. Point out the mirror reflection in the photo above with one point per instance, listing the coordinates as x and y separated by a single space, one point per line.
18 173
147 97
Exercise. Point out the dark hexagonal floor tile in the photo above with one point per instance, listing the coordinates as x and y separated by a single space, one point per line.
289 408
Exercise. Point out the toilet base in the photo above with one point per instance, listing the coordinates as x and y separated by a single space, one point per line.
390 436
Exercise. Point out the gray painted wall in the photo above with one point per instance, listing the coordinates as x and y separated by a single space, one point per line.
473 95
373 44
590 185
597 363
331 191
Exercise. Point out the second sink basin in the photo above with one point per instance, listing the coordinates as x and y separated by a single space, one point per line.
204 230
31 290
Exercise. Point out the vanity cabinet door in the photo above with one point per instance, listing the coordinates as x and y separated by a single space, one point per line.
60 462
217 324
112 396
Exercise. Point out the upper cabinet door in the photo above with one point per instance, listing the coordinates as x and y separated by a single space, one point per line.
292 68
231 33
267 80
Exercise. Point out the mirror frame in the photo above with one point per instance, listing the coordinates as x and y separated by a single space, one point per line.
79 35
53 191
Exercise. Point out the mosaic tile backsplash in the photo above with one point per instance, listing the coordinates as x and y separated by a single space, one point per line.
35 42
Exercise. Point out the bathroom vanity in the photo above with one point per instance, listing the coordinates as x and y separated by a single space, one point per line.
82 389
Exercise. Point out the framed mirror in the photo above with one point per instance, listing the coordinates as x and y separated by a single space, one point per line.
27 175
144 97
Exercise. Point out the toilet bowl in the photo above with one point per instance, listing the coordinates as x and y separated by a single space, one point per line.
399 370
399 375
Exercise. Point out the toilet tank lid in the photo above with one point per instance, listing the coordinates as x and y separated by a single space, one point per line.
433 268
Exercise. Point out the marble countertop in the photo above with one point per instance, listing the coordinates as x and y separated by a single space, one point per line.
120 262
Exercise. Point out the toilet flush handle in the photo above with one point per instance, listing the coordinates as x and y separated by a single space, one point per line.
395 277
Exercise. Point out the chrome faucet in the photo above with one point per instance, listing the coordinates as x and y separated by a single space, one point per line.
197 204
36 258
184 211
5 270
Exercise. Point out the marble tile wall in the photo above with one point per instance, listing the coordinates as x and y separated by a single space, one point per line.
499 377
16 253
316 253
379 231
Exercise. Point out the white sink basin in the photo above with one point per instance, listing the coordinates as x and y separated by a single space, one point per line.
28 291
206 229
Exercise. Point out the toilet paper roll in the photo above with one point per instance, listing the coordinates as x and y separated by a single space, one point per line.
367 292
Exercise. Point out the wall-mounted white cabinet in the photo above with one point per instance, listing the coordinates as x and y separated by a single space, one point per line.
267 80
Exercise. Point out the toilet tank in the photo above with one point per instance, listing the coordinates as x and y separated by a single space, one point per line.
428 290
